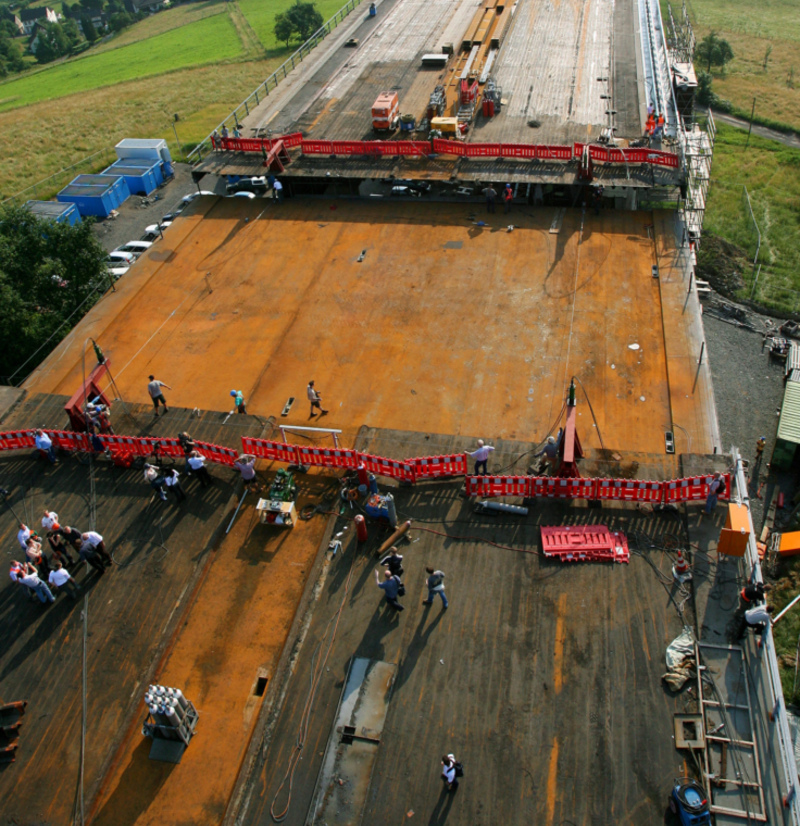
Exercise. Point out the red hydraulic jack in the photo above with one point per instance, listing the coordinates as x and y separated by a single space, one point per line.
570 450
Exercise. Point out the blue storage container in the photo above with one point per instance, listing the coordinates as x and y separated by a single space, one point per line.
142 175
96 194
54 211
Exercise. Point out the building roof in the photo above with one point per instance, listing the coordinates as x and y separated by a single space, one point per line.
35 14
789 424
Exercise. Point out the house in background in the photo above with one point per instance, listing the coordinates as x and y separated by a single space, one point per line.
30 17
14 18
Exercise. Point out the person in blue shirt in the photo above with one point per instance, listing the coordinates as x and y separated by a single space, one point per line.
391 587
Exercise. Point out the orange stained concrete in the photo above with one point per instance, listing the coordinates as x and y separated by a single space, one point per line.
235 630
445 326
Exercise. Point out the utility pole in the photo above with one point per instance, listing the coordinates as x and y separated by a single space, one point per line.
749 129
176 118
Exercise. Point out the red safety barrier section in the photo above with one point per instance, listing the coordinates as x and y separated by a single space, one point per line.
387 467
445 147
489 486
432 467
129 445
585 543
217 454
257 144
16 439
482 150
630 490
384 148
327 457
694 488
264 449
164 447
69 440
550 487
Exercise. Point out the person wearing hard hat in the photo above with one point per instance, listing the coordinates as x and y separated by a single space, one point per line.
549 452
760 445
481 457
238 397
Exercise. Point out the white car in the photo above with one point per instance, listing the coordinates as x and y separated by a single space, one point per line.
187 199
117 272
249 195
135 248
153 232
119 258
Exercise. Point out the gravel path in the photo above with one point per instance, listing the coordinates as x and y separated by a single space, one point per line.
748 387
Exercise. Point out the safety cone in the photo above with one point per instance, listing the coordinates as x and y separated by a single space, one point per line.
680 570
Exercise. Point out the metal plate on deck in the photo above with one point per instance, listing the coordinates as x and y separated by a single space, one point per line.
352 750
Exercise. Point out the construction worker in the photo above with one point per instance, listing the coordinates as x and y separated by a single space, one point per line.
549 453
760 445
508 197
481 457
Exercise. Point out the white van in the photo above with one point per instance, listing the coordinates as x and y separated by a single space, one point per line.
135 248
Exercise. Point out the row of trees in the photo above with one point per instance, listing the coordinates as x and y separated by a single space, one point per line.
49 277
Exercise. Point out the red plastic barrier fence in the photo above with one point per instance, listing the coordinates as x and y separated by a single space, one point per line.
16 439
265 449
521 150
68 440
445 147
432 467
387 467
163 447
482 150
694 488
129 445
327 457
554 153
630 490
217 454
256 144
551 487
489 486
317 147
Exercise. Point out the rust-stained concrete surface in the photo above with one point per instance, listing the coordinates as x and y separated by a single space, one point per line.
444 327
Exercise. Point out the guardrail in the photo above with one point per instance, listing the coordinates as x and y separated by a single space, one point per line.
777 714
262 90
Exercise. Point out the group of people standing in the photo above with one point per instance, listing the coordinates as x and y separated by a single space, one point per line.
41 572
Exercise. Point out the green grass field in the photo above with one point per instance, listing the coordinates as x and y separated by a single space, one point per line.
752 28
261 17
770 172
160 23
212 39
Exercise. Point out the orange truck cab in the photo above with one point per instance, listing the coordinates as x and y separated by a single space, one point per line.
385 110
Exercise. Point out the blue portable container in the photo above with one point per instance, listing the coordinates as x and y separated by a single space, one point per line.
142 175
95 195
54 211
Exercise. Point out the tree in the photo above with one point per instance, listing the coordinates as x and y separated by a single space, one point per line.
301 20
52 43
10 56
89 31
705 95
72 33
284 28
49 273
714 51
118 21
306 19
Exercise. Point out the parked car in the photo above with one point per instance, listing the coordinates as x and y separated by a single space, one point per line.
117 272
153 232
352 43
249 195
135 248
119 258
257 185
187 199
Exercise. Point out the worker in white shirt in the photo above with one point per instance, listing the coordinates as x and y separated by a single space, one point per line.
60 578
23 535
92 542
481 457
758 618
197 465
50 521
